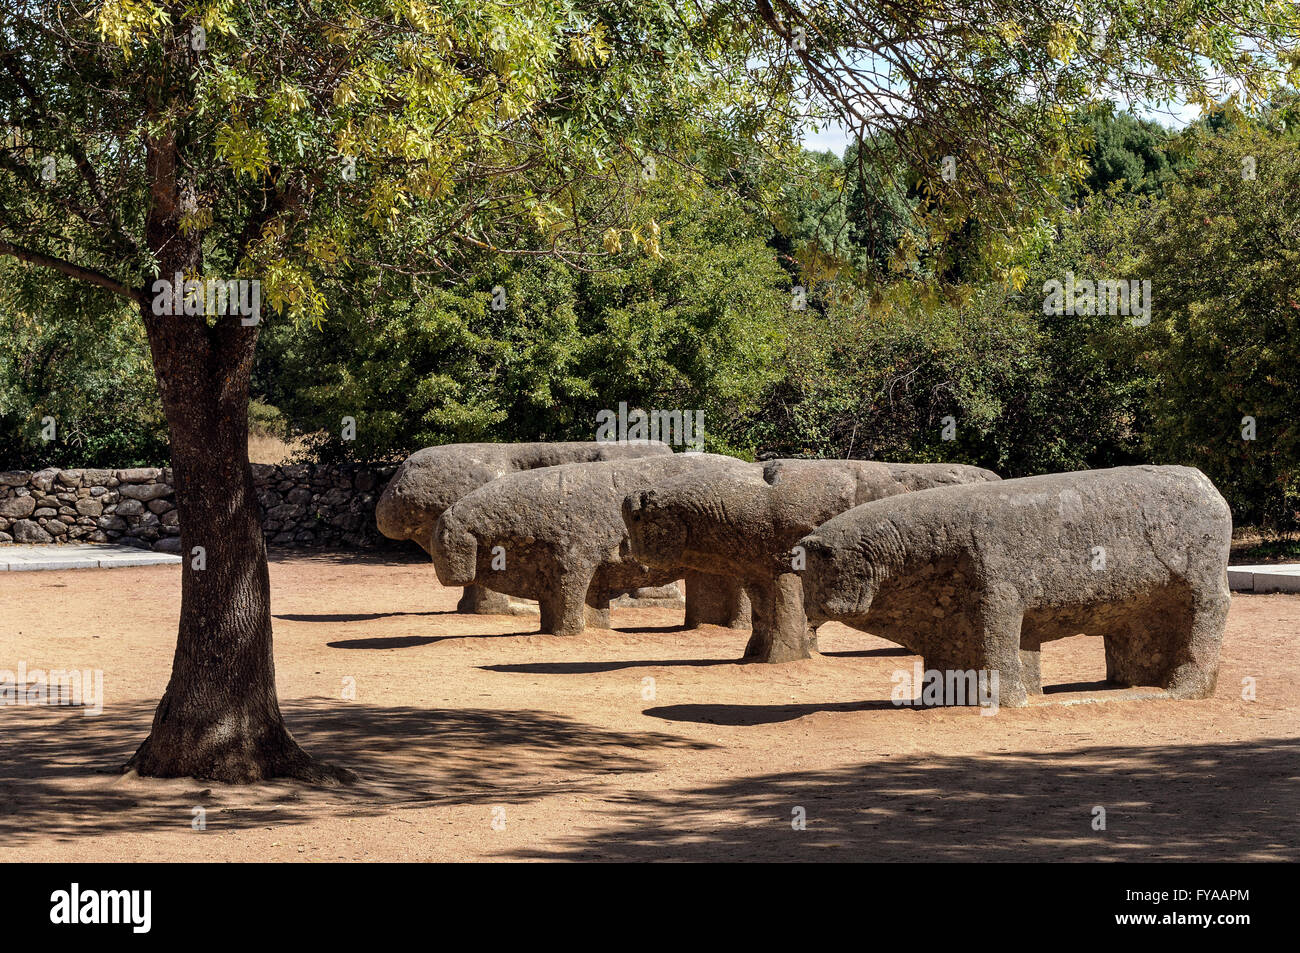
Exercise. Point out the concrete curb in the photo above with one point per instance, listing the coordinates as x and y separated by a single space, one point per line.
1283 577
24 558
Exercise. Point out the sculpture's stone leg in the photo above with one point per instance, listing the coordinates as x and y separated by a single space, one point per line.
1031 664
1001 617
596 608
550 606
943 667
1194 654
479 600
563 603
781 630
973 644
1138 651
716 600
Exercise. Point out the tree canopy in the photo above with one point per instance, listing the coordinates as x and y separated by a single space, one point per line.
316 148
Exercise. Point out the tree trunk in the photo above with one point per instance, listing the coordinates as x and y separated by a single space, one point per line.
220 718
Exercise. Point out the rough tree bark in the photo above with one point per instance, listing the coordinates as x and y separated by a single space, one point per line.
220 717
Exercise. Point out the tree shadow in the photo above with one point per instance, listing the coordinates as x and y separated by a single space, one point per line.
1236 801
59 776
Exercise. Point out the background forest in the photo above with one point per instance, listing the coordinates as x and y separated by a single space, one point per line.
792 325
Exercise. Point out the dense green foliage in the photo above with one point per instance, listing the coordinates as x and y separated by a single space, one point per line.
417 363
847 218
404 158
1225 253
1125 149
864 369
1209 217
78 358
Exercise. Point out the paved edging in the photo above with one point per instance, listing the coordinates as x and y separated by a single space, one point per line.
79 556
1282 577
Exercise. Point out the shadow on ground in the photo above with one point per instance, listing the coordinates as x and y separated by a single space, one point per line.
746 715
1165 802
725 713
1195 802
651 629
869 653
59 769
591 668
410 641
355 616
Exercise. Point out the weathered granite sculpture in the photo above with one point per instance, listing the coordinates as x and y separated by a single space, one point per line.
716 600
745 523
979 577
432 479
557 535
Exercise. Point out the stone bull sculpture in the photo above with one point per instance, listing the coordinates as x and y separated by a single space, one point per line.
432 479
979 577
744 523
557 535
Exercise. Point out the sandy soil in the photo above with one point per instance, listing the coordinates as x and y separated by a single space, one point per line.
476 740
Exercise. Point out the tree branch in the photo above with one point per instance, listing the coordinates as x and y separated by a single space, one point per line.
135 295
117 231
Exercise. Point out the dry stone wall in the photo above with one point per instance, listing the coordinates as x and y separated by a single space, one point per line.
303 505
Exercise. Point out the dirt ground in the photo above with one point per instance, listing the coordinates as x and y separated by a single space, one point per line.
479 741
